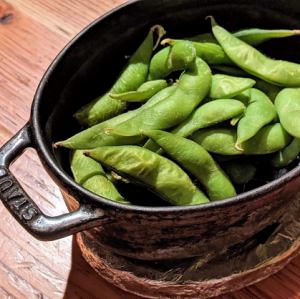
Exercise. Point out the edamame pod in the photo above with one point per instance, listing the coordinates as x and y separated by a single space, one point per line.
96 136
259 113
91 176
287 155
210 114
206 115
269 139
157 173
143 93
256 36
209 52
191 89
254 62
197 160
287 104
224 86
252 36
131 78
170 59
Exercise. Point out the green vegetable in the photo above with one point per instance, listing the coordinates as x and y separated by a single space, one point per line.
224 86
287 155
196 160
91 176
143 93
269 139
287 104
259 113
96 135
252 61
157 173
134 74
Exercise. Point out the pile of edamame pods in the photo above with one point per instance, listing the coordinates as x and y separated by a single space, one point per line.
206 106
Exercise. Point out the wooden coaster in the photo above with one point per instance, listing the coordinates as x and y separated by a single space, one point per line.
235 268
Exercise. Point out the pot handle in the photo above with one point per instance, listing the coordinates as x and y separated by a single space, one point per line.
24 209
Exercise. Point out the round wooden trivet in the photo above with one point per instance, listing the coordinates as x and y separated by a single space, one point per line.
235 268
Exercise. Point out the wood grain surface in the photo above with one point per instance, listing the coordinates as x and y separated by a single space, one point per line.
32 32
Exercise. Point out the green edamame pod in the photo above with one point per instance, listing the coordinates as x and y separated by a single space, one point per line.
256 36
170 59
240 172
269 89
191 89
224 86
143 93
181 56
159 174
259 113
248 58
287 104
287 155
269 139
159 68
252 36
209 114
131 78
197 160
209 52
91 176
96 136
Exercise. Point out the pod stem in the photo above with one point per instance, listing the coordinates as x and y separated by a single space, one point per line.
238 147
57 144
168 41
160 31
212 20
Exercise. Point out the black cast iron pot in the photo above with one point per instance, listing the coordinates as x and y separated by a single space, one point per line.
87 67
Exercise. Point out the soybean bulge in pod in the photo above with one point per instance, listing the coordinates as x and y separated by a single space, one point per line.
287 104
90 175
170 59
269 139
196 160
248 58
158 174
134 74
259 112
224 86
96 135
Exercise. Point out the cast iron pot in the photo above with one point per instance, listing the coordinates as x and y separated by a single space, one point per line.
87 67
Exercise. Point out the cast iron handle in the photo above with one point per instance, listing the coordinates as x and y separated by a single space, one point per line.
23 208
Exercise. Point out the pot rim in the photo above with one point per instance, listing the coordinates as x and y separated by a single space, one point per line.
77 191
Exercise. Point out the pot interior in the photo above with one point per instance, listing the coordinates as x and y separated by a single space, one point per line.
90 64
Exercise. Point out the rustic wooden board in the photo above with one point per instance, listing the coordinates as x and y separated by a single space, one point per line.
32 32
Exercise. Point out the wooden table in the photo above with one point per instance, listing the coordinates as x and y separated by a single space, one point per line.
32 32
